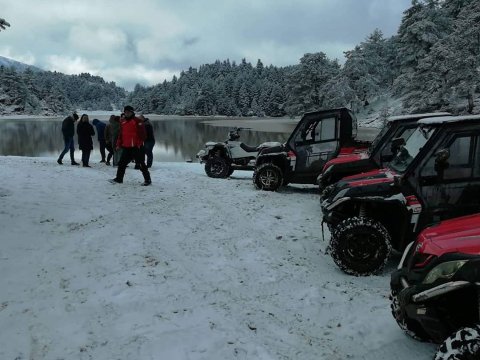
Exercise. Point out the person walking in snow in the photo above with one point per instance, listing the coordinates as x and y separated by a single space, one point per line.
100 126
149 142
85 132
110 140
68 131
130 140
114 131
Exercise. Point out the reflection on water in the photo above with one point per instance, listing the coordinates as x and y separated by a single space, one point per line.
176 140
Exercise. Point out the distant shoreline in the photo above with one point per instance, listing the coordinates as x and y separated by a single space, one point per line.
104 115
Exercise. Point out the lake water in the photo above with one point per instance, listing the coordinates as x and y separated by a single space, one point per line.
177 139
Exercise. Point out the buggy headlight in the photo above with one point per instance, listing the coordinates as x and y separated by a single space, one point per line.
444 271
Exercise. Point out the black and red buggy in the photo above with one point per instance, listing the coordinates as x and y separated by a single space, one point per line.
435 292
318 137
434 176
382 150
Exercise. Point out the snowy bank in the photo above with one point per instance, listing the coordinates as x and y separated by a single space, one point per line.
189 268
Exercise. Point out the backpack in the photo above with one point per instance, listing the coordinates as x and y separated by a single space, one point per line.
141 132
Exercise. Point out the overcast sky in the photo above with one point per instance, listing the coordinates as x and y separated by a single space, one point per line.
148 41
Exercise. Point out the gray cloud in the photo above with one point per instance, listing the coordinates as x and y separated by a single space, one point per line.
148 41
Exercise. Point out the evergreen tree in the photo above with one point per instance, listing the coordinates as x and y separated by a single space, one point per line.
368 67
450 71
306 81
422 26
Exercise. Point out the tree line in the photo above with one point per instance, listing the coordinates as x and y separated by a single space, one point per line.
47 93
431 63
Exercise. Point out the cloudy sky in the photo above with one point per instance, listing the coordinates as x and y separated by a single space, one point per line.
148 41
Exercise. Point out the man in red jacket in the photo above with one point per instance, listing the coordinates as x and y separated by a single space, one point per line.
130 139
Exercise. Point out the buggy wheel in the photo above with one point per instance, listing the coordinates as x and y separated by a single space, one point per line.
409 326
462 345
217 167
268 177
360 246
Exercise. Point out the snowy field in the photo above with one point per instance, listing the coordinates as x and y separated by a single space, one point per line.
189 268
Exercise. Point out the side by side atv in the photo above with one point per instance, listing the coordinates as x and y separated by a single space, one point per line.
382 150
222 158
318 137
435 176
435 292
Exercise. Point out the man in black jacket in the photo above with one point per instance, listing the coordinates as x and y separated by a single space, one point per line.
68 131
149 142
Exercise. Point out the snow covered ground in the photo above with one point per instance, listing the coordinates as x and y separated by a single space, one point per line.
189 268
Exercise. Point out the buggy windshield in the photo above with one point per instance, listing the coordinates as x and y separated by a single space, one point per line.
376 141
410 150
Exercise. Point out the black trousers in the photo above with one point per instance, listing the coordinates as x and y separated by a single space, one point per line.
129 154
110 151
85 157
102 148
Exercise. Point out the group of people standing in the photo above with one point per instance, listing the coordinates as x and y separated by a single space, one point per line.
126 138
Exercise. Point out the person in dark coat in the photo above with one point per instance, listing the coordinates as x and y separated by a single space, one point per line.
149 142
113 131
85 143
100 126
68 131
110 141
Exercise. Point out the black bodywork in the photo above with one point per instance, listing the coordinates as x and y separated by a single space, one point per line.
406 200
382 150
438 309
318 137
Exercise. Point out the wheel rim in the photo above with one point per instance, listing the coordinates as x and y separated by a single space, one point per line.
216 167
269 178
362 247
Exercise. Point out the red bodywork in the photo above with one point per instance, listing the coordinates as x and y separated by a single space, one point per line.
455 235
352 150
376 176
345 157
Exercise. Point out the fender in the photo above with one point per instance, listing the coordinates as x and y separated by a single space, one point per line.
213 147
367 200
276 155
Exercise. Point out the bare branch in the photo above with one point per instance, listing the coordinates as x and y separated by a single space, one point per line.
3 24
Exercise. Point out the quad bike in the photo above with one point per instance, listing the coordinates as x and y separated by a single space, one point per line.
222 158
435 292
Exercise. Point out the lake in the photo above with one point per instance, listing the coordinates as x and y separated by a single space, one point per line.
177 138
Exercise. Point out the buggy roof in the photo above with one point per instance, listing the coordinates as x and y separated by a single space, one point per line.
448 119
416 116
326 111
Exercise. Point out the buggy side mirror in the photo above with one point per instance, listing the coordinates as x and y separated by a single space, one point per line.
396 144
441 160
398 180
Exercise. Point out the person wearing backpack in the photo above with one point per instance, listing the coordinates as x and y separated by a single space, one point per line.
130 139
100 125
